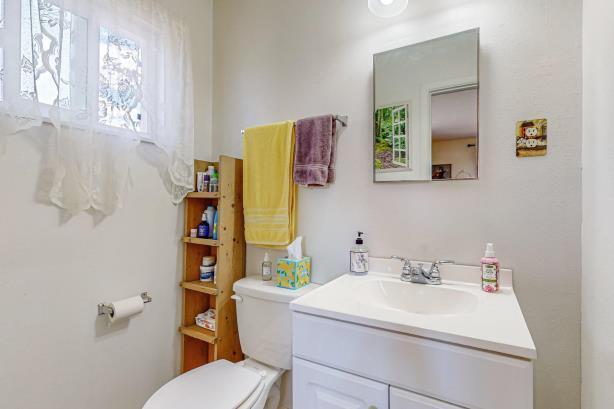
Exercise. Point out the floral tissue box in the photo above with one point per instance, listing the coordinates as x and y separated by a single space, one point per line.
293 274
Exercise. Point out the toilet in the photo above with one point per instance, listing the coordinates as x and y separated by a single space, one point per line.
265 332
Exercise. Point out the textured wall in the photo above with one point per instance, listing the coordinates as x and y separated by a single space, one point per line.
276 60
54 352
598 202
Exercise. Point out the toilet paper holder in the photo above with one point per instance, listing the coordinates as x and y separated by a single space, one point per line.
106 309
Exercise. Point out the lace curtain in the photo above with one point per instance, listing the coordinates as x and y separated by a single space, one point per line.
105 74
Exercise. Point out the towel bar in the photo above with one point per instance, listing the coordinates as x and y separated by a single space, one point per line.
343 120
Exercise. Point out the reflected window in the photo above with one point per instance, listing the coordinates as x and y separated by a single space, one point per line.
391 137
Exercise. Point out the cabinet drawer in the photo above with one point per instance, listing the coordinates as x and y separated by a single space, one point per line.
319 387
400 399
466 377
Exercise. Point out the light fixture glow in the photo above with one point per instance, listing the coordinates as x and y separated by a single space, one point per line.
387 8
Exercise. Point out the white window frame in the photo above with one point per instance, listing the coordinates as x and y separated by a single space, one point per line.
94 25
398 136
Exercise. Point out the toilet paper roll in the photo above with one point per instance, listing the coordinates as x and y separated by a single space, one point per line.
126 308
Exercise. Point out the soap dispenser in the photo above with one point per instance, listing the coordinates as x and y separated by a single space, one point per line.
359 256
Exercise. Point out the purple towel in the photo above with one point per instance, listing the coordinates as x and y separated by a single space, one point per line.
316 151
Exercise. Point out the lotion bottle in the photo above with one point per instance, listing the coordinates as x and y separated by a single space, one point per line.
490 270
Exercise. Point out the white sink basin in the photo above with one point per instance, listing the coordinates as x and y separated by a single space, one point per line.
415 298
458 311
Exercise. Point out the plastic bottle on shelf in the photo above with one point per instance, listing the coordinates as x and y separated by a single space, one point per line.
215 225
213 183
210 215
203 228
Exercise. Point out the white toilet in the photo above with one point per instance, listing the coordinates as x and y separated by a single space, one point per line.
265 331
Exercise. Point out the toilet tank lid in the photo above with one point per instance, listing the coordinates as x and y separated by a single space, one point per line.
253 286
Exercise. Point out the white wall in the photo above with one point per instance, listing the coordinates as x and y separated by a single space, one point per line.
286 59
598 202
54 352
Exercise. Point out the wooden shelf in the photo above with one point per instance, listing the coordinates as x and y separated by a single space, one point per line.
198 345
200 286
197 332
204 195
202 242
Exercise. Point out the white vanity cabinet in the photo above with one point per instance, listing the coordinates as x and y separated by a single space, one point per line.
321 387
400 399
317 386
340 365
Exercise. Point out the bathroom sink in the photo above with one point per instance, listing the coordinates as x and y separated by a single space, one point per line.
457 311
414 298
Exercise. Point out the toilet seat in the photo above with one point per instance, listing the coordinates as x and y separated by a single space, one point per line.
263 395
218 385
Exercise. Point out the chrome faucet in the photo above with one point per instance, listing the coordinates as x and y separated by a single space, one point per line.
419 274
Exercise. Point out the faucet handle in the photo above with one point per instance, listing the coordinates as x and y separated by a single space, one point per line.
435 266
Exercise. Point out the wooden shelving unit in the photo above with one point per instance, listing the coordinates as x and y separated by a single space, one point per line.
207 288
201 346
203 195
202 242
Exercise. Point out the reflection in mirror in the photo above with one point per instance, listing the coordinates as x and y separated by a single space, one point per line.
426 110
454 130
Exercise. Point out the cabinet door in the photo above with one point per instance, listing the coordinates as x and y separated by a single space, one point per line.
319 387
400 399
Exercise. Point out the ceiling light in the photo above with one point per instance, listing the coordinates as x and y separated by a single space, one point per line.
387 8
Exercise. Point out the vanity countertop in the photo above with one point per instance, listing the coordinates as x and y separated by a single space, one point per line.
458 311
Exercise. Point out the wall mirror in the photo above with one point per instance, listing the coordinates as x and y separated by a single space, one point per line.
426 110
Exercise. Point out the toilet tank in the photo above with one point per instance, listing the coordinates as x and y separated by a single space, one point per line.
265 321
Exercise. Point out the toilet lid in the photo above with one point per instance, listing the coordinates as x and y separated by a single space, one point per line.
218 385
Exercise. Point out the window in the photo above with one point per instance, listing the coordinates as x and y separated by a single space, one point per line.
101 76
53 48
54 66
120 82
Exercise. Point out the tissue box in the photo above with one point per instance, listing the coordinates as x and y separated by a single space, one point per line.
293 274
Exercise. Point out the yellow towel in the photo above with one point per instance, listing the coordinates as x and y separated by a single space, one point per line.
269 192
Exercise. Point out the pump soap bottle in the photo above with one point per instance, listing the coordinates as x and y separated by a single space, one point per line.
267 267
359 256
